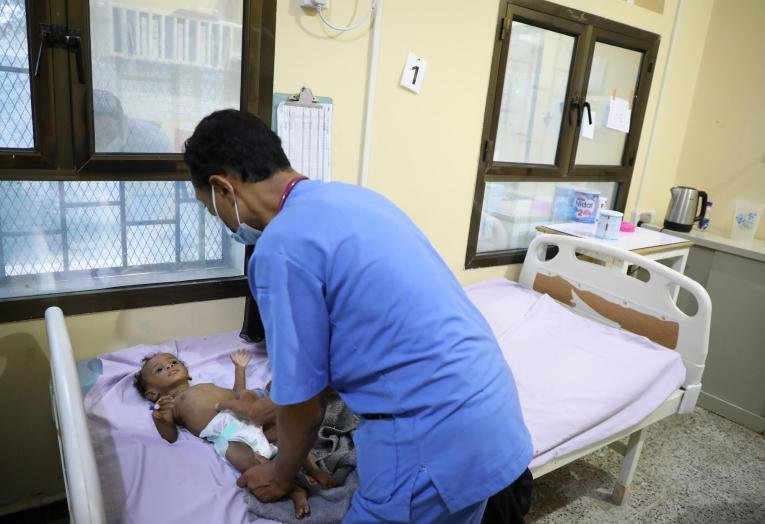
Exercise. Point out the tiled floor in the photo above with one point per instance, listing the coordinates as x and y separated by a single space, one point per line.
694 469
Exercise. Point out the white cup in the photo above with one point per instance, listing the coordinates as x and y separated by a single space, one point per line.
608 225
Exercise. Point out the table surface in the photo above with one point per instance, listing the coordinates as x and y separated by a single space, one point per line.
754 248
641 240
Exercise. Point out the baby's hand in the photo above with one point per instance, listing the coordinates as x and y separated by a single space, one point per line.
165 409
241 357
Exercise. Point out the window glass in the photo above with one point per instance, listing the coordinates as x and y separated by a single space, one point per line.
614 73
16 125
533 95
512 210
72 236
159 67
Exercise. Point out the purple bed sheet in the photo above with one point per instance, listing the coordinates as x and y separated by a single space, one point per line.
579 381
145 479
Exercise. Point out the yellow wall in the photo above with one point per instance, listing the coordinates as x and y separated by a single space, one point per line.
724 149
424 157
672 121
425 147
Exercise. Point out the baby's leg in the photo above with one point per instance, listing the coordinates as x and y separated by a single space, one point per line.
242 457
315 473
300 500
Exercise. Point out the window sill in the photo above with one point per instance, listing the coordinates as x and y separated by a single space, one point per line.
129 297
496 258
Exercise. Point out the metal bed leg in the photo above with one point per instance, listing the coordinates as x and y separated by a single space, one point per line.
631 458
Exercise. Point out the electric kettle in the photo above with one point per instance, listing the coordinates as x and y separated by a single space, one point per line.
683 208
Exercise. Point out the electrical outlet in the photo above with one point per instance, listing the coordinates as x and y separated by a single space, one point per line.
314 4
647 217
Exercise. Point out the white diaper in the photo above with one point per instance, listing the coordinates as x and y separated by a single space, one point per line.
226 427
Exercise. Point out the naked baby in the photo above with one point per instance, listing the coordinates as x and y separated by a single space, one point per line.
164 380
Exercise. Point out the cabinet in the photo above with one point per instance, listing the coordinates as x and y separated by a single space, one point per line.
732 385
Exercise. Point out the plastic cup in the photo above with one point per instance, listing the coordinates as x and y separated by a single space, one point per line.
609 224
746 218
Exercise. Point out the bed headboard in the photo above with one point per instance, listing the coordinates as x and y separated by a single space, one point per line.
608 295
83 488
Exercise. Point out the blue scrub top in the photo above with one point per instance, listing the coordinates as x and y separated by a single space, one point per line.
353 296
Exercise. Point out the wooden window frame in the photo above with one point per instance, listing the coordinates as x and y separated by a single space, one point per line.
587 29
64 149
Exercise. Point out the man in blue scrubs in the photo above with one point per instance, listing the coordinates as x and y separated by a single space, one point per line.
353 297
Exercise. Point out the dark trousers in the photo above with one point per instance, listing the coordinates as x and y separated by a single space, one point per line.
512 503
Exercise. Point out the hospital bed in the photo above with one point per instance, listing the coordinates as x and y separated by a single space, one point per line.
553 266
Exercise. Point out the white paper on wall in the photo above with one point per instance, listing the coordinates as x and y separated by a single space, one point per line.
306 133
588 130
619 114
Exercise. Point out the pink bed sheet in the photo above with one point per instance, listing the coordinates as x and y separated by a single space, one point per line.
145 479
579 381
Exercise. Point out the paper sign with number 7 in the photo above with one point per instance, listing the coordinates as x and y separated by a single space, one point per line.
414 73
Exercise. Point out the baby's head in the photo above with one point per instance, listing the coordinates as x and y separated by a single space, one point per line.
160 373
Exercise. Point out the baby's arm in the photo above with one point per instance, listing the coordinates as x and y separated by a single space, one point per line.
240 358
164 420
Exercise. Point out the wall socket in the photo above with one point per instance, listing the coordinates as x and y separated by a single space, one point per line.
314 4
647 216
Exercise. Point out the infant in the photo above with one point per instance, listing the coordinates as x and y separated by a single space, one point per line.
164 380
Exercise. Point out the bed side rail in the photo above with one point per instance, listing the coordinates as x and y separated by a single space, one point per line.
610 296
83 487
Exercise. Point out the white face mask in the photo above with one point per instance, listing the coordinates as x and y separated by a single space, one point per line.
244 234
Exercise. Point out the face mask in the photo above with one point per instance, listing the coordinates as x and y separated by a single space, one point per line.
244 234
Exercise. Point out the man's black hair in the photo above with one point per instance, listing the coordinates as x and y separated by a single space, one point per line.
233 141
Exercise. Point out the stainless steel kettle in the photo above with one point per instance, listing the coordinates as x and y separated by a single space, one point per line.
683 208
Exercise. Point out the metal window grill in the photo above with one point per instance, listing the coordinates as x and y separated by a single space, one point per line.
16 125
105 229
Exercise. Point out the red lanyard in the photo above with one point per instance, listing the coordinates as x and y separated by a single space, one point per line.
287 190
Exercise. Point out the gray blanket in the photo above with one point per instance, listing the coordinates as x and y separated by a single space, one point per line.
335 453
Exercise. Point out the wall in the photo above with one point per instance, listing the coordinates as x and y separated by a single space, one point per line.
724 151
659 172
425 147
424 157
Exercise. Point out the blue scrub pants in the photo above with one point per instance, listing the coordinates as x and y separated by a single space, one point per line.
427 507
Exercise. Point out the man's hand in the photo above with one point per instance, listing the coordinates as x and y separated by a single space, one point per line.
241 357
264 483
260 411
165 410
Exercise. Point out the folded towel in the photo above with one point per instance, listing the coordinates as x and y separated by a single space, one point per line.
334 452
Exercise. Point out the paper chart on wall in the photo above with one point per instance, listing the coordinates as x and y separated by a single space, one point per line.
306 133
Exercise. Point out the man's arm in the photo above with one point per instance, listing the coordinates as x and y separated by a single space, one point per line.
297 426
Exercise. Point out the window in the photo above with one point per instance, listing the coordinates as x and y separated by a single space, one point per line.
96 100
554 71
72 236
